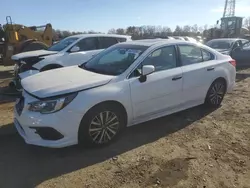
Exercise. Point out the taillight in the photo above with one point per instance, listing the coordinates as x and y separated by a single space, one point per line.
233 62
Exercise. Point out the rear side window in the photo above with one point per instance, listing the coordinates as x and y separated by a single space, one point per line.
207 56
106 42
190 54
87 44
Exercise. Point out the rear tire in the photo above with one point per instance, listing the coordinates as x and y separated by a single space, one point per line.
101 126
216 93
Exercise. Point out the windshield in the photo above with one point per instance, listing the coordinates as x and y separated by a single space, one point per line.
114 60
62 44
219 44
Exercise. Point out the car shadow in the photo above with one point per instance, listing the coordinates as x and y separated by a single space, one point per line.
27 166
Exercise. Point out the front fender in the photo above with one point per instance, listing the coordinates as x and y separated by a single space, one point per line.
118 91
52 59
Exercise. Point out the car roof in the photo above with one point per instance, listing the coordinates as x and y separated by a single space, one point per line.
151 42
99 35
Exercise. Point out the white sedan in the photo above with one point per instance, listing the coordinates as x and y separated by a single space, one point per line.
126 84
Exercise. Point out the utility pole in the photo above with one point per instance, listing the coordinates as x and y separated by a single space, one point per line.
229 8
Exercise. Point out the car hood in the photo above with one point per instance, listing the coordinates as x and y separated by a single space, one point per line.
62 81
32 54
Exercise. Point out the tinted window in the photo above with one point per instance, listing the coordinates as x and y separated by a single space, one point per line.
163 58
87 44
190 54
121 39
106 42
207 56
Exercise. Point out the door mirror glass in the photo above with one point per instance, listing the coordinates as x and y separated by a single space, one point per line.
75 49
147 69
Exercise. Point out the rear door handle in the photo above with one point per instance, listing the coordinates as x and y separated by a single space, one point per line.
176 78
210 69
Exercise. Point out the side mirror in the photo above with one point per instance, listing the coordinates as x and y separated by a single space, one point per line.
146 70
75 49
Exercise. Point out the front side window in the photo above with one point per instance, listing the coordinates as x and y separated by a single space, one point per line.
106 42
162 59
61 45
88 44
190 54
115 60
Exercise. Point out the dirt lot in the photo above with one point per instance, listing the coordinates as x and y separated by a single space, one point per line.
194 148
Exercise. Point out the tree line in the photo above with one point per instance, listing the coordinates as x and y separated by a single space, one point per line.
143 32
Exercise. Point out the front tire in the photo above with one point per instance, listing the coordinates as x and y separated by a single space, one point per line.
101 126
216 93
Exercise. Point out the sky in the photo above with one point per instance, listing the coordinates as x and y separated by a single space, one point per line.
102 15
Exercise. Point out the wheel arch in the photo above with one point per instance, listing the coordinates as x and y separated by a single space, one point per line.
216 79
222 79
115 103
108 102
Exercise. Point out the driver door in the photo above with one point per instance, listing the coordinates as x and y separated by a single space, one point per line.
162 89
242 55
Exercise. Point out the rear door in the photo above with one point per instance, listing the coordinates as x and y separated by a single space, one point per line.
105 42
198 66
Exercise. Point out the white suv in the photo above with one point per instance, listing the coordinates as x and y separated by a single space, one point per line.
126 84
70 51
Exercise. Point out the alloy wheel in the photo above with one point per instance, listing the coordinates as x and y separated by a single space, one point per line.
217 93
104 127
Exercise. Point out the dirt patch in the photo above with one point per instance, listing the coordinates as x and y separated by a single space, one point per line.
193 148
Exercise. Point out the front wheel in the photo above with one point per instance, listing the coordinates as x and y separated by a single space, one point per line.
216 93
101 126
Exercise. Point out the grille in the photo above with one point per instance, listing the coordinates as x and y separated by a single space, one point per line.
20 105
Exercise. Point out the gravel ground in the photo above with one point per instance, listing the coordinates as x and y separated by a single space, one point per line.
193 148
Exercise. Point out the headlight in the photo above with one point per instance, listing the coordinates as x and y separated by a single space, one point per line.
52 105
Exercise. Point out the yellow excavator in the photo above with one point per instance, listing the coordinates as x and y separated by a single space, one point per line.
16 38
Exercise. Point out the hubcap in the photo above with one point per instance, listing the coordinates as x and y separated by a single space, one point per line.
217 93
104 127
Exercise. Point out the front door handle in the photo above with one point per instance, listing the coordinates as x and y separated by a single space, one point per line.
210 69
176 78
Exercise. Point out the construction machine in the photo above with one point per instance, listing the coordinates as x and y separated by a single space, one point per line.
16 38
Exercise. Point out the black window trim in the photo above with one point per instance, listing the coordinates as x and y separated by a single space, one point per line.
176 54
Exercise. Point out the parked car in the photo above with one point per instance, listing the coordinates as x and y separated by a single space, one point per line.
70 51
237 48
126 84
